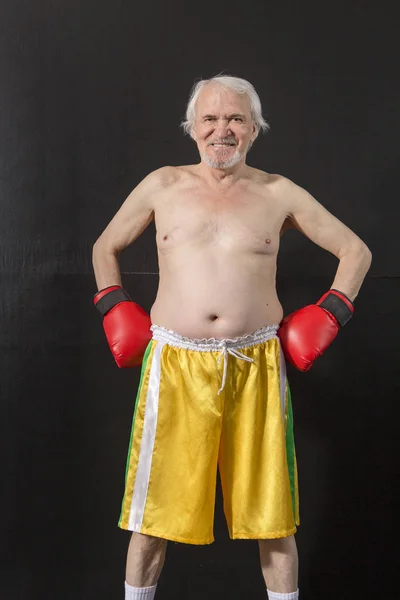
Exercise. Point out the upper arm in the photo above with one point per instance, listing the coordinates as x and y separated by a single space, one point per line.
135 214
313 220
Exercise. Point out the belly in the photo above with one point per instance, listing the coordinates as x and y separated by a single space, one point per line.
216 295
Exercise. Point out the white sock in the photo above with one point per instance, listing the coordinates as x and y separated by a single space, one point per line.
144 593
276 596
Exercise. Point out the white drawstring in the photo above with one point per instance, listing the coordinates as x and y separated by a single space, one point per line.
224 353
228 346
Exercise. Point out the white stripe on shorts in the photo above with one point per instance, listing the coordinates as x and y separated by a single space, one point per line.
139 496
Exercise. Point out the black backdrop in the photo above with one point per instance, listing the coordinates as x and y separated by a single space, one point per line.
91 97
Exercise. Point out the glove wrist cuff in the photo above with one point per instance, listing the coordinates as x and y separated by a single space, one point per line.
338 305
105 302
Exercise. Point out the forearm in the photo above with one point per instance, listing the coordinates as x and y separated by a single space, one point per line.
106 267
353 267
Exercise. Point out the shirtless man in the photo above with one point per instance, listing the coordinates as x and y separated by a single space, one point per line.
213 360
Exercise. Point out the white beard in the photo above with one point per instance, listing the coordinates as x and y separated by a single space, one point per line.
228 163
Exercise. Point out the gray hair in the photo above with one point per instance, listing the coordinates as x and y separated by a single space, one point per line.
236 84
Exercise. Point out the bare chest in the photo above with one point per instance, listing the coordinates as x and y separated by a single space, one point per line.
242 222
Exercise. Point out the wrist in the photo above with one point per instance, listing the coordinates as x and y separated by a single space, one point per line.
100 293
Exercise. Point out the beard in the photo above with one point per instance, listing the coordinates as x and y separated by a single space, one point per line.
224 163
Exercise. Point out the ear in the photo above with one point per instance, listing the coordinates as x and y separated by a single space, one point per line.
254 132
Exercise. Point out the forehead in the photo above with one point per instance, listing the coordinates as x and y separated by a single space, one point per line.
213 99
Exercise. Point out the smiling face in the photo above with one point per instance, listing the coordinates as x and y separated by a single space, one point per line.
223 129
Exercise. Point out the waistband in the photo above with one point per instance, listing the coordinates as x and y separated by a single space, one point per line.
226 347
212 344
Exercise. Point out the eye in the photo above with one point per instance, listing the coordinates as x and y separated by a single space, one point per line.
238 119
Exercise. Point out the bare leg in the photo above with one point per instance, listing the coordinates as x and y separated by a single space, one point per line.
145 560
279 564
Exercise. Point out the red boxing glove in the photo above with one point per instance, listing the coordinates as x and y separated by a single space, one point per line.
126 325
306 333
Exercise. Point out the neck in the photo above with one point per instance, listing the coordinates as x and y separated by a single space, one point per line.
222 177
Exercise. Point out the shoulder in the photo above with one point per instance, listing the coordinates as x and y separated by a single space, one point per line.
162 177
291 197
271 181
282 185
290 193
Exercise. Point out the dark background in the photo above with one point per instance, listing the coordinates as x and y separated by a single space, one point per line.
91 97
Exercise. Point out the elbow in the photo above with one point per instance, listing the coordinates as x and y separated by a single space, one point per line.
362 255
97 244
366 255
357 252
369 256
96 249
101 249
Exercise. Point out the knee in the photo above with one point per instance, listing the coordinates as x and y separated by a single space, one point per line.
147 544
286 546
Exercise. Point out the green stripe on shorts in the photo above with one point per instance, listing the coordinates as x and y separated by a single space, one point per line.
290 451
144 365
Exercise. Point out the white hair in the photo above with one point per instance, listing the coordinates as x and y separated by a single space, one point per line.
236 84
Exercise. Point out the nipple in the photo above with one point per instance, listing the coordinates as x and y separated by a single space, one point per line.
267 241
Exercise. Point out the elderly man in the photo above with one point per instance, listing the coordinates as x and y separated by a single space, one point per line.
213 389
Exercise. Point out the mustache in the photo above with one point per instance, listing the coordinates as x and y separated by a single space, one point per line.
227 140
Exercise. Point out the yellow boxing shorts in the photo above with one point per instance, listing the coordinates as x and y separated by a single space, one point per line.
208 403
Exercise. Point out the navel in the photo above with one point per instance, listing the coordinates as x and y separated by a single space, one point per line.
165 237
213 317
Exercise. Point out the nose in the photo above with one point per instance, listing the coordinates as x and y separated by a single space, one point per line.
222 128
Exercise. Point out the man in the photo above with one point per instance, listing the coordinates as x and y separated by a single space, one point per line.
213 389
